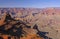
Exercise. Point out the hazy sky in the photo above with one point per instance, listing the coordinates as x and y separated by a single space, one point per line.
30 3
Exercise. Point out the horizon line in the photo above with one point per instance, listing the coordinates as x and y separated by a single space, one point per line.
29 7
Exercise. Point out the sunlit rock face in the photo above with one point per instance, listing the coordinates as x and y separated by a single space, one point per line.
47 20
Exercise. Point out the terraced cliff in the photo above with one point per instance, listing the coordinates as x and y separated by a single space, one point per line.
17 29
42 23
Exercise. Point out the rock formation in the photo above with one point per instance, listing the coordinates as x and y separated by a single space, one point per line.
42 23
18 29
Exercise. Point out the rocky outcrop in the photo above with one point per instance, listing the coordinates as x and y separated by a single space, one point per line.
47 20
18 29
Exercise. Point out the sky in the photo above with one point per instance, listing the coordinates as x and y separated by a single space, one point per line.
30 3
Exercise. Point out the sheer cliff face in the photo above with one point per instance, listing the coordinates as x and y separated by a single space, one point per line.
47 19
